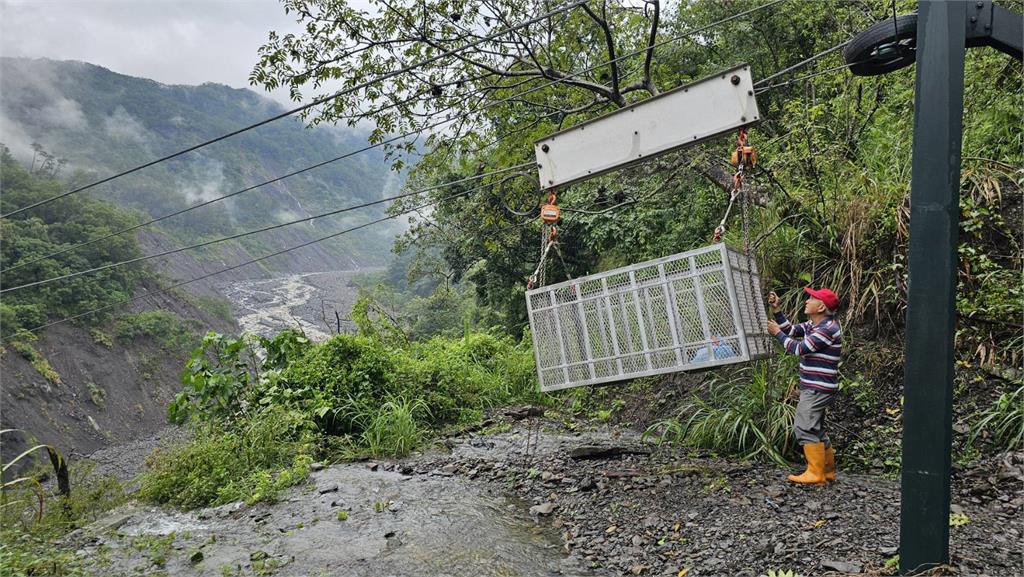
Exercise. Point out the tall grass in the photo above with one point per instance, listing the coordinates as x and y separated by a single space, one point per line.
1003 421
744 413
393 429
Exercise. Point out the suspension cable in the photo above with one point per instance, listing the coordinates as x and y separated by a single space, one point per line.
802 63
252 261
259 230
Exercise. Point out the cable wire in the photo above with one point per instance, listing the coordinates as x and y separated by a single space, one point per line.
304 107
805 77
393 139
248 262
257 231
801 64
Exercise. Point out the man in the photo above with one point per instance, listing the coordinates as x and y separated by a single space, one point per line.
819 352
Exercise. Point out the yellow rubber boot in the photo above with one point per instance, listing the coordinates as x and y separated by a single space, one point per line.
830 464
815 473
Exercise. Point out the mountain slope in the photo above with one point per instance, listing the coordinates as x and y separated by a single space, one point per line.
102 122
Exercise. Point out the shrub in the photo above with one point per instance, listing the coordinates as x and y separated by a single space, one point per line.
336 381
215 379
252 461
166 328
29 535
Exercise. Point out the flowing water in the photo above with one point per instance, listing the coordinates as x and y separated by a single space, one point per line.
424 525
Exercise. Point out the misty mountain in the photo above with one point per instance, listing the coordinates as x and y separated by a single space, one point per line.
100 122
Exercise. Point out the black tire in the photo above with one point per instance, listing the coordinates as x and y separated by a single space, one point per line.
883 47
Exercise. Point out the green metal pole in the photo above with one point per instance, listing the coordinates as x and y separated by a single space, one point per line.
931 296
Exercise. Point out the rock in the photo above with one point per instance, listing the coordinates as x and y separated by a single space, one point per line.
542 509
314 467
604 452
372 466
813 505
328 489
888 550
405 470
448 470
546 475
520 413
587 484
113 522
841 566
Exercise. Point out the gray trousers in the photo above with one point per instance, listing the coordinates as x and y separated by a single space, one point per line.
809 422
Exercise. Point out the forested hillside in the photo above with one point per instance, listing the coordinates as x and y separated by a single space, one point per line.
85 122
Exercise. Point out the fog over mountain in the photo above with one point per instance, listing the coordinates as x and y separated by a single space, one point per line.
99 122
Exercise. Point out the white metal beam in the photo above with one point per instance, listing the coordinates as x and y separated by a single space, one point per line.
672 120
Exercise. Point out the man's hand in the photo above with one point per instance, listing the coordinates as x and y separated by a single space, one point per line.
773 328
774 302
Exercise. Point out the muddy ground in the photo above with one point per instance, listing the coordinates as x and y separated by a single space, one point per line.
539 496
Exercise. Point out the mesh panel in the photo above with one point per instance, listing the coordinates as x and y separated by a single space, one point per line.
691 310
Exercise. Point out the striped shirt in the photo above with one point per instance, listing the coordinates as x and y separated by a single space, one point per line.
819 351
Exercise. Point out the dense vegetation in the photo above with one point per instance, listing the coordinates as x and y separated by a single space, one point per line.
258 424
30 236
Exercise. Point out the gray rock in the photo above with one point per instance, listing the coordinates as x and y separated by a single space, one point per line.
328 489
316 467
542 509
604 452
841 566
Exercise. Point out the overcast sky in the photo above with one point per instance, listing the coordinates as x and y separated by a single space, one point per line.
170 41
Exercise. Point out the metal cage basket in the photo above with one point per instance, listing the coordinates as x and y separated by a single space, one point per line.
693 310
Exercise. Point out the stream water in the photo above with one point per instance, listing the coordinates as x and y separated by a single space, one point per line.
391 524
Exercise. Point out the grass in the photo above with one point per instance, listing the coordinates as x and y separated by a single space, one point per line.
741 412
1002 423
393 428
271 452
28 539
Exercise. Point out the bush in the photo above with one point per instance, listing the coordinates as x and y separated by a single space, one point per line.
337 382
29 541
216 378
745 412
166 328
251 461
22 342
383 399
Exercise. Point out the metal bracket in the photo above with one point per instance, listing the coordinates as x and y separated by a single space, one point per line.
989 24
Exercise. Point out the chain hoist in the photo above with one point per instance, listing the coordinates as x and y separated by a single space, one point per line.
549 215
743 157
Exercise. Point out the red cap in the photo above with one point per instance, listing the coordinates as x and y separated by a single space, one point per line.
824 295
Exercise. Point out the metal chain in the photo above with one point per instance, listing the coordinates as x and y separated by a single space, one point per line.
744 195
